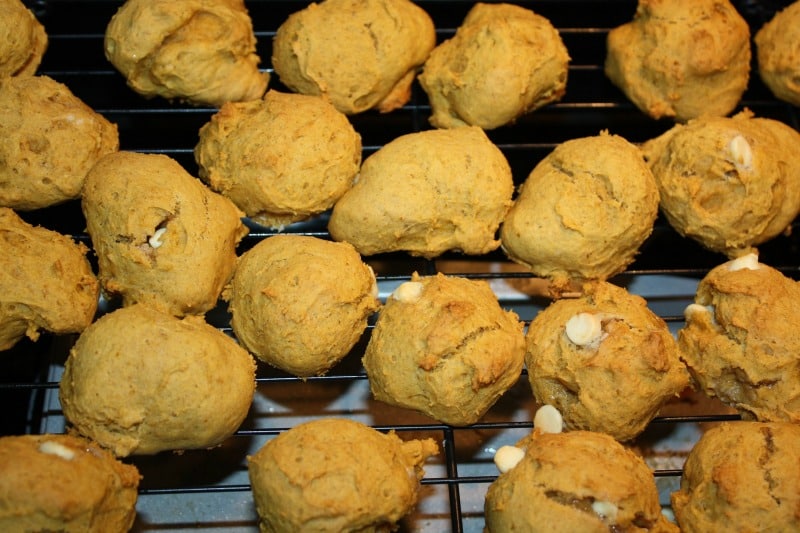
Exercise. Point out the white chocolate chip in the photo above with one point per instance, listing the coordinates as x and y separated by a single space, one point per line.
696 309
507 457
548 419
749 262
155 240
584 329
375 291
55 448
741 152
605 510
408 292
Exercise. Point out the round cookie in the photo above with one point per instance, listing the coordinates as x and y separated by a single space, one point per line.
604 360
778 54
198 51
681 58
161 236
740 341
282 159
139 381
64 483
728 183
359 54
444 347
46 282
575 481
335 474
49 139
301 303
741 476
583 211
427 193
503 62
23 40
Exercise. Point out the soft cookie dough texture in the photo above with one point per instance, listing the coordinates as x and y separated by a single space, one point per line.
23 40
427 193
199 51
161 236
504 61
46 282
335 474
49 139
282 159
728 183
359 54
681 58
740 340
583 212
741 476
610 374
64 483
139 381
778 54
575 481
301 303
444 347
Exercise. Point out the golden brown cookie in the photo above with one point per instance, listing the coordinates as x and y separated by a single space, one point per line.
681 58
427 193
49 139
359 54
728 183
575 481
282 159
161 236
301 303
503 62
583 212
604 360
336 474
46 282
741 476
23 40
444 347
139 381
64 483
778 54
740 339
198 51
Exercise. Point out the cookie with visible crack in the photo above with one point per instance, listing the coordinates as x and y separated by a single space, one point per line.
23 40
741 476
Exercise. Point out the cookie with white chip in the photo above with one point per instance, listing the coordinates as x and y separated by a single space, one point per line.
139 381
49 140
427 193
778 54
443 346
335 474
198 51
604 360
681 58
64 483
740 339
161 236
729 183
741 476
281 159
583 212
503 62
301 303
359 54
551 484
23 40
46 282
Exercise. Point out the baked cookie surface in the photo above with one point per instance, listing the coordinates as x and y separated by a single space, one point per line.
503 62
778 54
23 40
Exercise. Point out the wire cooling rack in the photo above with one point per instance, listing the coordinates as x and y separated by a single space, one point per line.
209 489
